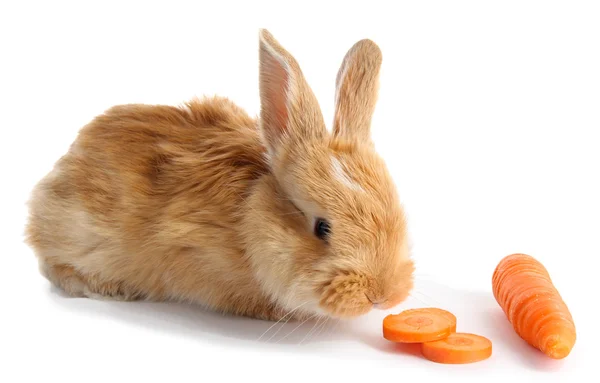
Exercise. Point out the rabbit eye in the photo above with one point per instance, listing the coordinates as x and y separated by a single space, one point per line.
322 228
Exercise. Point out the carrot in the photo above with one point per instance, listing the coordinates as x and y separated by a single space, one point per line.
419 325
529 299
458 348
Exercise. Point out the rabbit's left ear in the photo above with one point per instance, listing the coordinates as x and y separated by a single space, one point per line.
290 113
357 86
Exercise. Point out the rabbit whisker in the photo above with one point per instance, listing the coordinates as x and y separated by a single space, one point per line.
334 327
419 299
297 327
282 318
296 213
429 297
325 322
245 201
311 330
282 326
319 328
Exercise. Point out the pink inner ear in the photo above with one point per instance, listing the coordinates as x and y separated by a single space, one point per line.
275 98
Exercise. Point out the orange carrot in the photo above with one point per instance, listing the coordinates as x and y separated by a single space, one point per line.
458 348
525 292
419 325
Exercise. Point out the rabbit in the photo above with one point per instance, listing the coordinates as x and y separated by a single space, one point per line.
261 217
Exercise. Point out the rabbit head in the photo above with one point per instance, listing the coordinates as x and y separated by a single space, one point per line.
326 232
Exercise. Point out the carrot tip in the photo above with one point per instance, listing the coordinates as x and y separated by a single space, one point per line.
556 348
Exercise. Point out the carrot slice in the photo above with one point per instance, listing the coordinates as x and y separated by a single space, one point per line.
524 290
419 325
458 348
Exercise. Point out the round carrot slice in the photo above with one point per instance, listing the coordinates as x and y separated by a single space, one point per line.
419 325
458 348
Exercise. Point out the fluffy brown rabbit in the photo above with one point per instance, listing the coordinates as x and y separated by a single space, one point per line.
202 203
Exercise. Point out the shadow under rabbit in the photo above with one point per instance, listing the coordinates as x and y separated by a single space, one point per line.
476 312
192 321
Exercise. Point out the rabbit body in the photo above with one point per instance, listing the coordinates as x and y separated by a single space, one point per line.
147 204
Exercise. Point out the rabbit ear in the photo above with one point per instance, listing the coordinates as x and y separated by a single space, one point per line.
357 85
289 109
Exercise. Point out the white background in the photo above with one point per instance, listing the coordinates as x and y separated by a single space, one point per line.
488 118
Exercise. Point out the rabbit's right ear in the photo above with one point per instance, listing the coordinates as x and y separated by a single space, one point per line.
357 85
289 111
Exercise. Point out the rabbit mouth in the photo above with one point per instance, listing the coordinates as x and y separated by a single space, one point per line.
350 294
347 295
